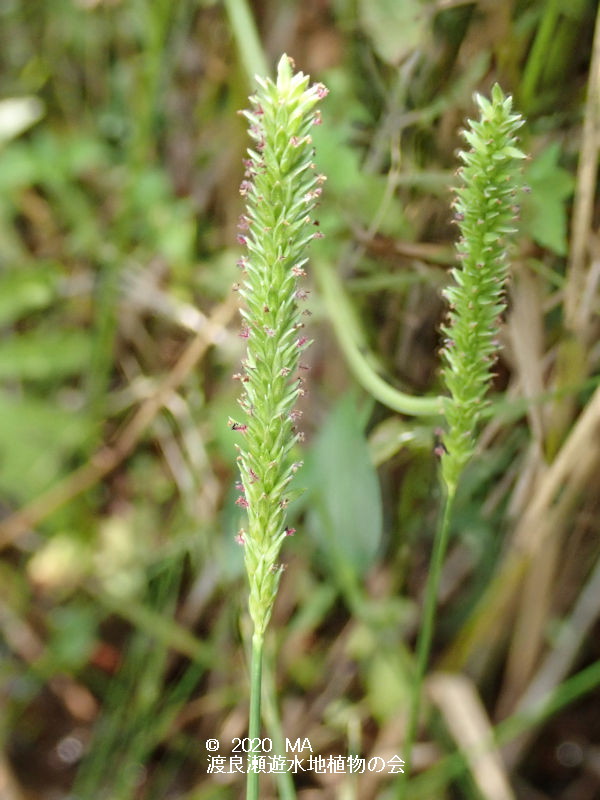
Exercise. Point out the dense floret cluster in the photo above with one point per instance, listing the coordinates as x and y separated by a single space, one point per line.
281 187
485 211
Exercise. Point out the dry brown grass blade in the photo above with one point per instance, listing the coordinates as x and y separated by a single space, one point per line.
110 456
9 787
559 660
548 509
526 335
470 727
534 608
527 635
578 455
576 312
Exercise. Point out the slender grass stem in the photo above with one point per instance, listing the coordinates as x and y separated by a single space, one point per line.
425 636
485 212
539 51
247 38
252 776
272 721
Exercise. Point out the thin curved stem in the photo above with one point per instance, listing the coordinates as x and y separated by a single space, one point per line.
425 636
343 322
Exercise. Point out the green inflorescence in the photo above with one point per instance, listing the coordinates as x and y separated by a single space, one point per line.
485 212
281 188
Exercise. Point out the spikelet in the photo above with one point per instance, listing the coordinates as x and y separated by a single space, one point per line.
485 212
281 187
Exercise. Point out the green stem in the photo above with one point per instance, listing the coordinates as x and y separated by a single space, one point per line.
340 314
247 38
252 778
285 780
426 636
539 52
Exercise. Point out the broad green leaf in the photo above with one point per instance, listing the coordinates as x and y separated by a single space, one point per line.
18 168
353 193
344 505
42 355
393 435
73 636
358 195
388 687
36 439
25 290
545 208
396 27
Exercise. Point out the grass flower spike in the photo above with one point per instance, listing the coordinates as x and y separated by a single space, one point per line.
485 212
281 188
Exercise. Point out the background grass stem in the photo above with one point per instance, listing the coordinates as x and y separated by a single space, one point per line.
425 637
246 36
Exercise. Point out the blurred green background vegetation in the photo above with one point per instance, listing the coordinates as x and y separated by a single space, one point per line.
121 588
